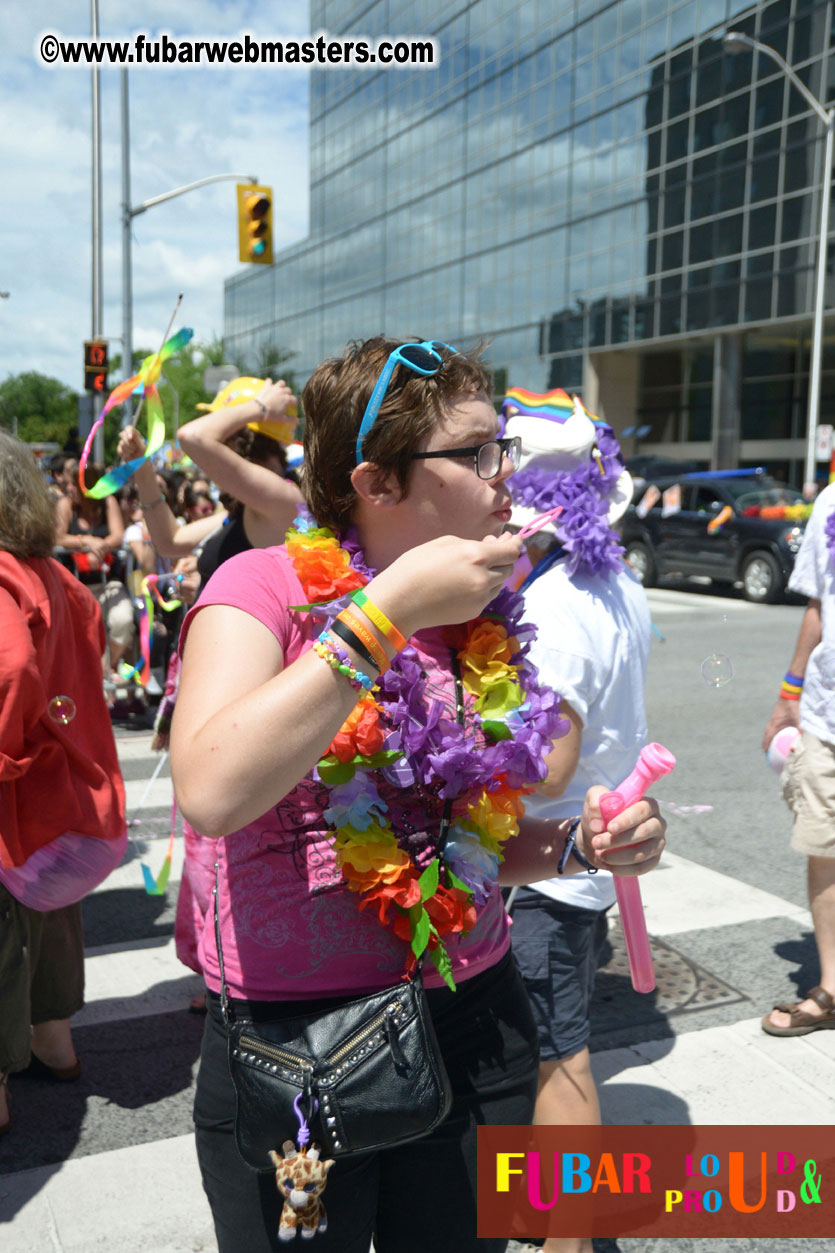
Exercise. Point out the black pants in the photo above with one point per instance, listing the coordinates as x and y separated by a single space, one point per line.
419 1198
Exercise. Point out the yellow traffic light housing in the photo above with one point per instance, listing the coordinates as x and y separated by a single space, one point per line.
255 224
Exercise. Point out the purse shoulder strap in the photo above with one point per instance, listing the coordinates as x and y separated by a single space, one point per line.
228 1014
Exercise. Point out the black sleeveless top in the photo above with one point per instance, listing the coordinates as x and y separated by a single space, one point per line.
226 542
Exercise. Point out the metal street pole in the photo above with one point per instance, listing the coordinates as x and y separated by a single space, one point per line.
97 288
127 270
128 214
816 364
735 41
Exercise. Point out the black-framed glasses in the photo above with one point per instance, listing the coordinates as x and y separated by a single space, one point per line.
487 457
421 358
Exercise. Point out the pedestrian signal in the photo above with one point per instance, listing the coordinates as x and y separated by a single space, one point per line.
95 365
255 224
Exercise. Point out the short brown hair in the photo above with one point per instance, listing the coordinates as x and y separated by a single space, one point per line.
27 519
334 401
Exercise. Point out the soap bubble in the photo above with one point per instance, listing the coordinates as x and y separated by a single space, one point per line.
687 811
717 670
61 709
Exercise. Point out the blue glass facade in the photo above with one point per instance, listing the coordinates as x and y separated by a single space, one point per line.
598 189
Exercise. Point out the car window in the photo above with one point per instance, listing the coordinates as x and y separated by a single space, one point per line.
762 491
706 501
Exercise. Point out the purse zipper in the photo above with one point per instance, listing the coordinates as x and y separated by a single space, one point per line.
369 1029
277 1054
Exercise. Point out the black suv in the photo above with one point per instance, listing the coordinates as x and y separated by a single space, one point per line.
741 545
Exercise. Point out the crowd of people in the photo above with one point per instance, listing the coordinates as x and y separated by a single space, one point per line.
390 717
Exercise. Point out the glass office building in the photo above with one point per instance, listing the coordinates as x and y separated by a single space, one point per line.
614 202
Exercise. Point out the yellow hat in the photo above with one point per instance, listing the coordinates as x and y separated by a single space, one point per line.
238 392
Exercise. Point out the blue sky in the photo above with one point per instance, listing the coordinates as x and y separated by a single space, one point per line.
185 124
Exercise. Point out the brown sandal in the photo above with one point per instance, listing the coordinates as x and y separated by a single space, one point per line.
801 1022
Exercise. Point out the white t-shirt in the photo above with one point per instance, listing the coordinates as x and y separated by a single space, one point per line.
814 575
592 646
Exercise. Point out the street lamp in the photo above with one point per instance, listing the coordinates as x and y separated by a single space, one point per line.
735 41
129 212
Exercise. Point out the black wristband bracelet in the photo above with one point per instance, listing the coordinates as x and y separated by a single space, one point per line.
571 848
345 633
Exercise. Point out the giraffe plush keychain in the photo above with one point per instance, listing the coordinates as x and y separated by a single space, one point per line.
300 1178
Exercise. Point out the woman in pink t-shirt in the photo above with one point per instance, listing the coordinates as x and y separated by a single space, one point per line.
335 766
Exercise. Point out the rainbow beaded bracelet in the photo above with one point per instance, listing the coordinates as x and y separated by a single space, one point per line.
338 660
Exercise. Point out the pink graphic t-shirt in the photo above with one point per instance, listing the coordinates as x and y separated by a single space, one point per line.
290 927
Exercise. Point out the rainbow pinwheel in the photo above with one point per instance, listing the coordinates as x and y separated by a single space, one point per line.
143 385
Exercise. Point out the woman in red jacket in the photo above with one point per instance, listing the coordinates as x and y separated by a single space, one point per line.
62 800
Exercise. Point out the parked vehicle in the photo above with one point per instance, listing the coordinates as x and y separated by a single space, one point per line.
733 526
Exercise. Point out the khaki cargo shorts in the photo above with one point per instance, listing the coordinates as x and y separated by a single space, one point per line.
808 783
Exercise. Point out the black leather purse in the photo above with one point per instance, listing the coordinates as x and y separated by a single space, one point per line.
369 1073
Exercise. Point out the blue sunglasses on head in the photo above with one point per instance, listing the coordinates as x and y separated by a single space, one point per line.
421 358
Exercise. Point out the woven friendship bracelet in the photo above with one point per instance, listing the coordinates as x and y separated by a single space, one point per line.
356 624
338 660
345 633
381 622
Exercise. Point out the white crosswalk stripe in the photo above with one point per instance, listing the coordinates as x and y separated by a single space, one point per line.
121 1196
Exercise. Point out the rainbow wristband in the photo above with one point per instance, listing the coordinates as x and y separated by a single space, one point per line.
792 686
379 619
353 622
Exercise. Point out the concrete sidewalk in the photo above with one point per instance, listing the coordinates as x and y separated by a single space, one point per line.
148 1198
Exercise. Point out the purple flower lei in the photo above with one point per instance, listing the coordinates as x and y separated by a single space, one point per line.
593 547
829 532
441 754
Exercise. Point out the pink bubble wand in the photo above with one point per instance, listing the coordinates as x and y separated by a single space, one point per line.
654 761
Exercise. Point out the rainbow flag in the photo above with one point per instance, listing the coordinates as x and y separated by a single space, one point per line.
556 405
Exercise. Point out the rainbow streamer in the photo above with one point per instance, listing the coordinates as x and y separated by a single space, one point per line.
142 385
142 669
556 405
156 886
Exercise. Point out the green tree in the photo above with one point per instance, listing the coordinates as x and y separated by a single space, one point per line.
44 407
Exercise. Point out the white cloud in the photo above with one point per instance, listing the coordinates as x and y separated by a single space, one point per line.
185 125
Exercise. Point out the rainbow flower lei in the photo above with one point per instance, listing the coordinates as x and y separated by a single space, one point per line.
399 737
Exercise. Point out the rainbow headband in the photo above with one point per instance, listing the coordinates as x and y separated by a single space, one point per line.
142 385
556 405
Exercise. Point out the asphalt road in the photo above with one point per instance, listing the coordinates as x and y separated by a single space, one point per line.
726 915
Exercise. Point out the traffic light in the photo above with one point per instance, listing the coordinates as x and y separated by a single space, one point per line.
95 365
255 224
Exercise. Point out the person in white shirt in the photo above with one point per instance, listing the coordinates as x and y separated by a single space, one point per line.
807 701
592 646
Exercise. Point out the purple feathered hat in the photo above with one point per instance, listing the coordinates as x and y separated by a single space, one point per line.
571 459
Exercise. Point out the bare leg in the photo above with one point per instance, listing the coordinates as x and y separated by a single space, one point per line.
567 1096
821 879
52 1043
